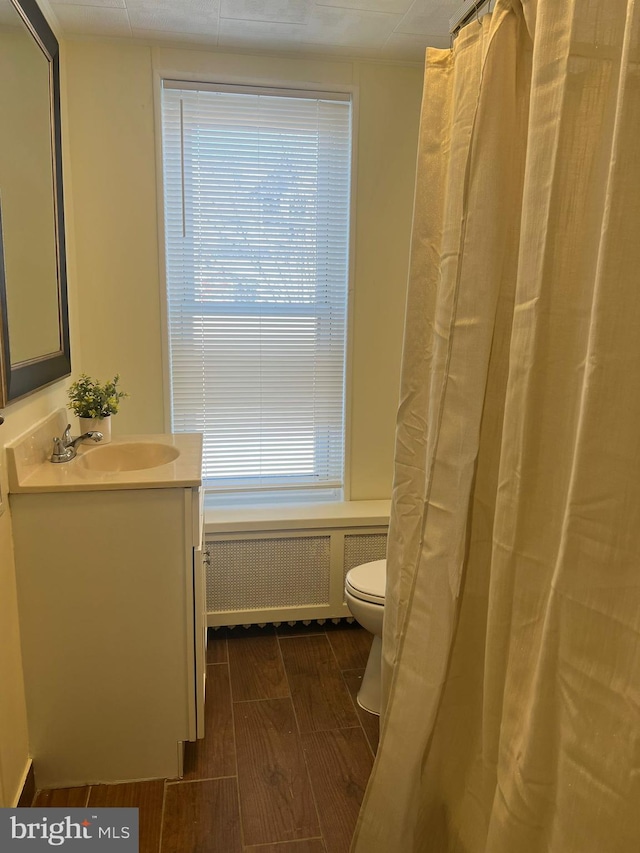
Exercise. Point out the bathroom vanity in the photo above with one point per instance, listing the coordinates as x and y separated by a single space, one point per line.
111 598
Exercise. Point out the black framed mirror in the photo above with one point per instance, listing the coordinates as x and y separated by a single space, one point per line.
35 348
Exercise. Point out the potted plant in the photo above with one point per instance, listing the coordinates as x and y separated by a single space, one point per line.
94 403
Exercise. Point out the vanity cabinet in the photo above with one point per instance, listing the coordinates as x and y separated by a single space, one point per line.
111 598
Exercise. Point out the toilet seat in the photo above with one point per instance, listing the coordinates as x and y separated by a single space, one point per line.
368 582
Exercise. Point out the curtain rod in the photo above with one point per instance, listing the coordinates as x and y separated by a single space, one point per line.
467 12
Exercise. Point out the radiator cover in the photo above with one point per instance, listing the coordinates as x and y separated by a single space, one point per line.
284 575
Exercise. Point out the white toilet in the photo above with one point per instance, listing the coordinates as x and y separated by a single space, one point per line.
365 591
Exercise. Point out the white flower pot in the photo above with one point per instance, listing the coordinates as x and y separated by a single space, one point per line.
102 425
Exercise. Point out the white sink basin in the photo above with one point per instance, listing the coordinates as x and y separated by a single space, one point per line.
133 456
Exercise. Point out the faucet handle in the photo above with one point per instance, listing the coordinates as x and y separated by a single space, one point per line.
61 452
66 436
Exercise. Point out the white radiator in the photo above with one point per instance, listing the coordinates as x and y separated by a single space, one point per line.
284 575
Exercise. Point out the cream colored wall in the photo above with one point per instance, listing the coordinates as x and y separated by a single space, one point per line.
112 156
113 151
389 112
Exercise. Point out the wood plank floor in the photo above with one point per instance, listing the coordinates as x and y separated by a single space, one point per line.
286 755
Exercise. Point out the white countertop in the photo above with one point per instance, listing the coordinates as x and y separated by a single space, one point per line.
29 473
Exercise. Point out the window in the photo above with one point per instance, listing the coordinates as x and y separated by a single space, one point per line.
256 186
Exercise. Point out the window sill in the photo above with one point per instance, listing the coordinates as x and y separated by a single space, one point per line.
298 516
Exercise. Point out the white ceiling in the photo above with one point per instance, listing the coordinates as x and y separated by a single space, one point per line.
377 29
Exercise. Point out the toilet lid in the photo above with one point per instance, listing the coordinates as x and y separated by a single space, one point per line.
368 581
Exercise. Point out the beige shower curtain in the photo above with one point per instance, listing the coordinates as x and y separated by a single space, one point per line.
512 625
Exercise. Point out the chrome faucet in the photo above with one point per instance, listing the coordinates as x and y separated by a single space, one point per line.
66 448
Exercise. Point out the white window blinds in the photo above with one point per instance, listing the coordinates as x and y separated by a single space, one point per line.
256 187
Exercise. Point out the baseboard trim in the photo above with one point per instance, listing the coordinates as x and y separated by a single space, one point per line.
27 789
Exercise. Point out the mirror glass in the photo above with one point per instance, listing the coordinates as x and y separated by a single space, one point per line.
35 332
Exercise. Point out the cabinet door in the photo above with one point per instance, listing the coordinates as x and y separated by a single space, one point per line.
200 625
